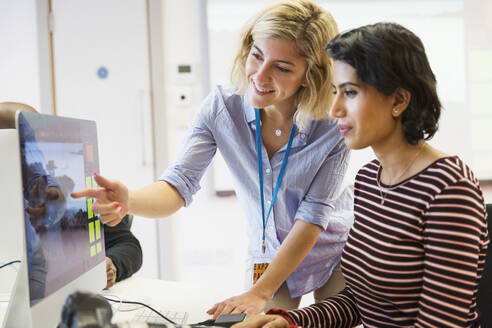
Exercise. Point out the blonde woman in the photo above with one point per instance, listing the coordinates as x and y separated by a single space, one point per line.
276 115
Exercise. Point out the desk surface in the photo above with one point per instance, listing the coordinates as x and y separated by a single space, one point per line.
162 295
167 295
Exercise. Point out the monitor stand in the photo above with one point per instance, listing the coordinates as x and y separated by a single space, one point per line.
13 279
18 313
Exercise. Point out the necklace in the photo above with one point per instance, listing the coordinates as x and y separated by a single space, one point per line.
383 192
278 132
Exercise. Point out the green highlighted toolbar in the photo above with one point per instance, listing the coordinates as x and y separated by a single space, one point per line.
94 226
91 233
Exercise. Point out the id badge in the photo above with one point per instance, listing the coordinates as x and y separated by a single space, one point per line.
259 269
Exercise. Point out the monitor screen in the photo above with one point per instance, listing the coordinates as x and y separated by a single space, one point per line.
64 239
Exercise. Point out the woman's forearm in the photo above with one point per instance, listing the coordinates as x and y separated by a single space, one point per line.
292 252
157 200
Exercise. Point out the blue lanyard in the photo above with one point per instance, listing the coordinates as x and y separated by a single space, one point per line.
260 172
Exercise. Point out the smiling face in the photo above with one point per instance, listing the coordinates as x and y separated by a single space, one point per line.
275 72
366 117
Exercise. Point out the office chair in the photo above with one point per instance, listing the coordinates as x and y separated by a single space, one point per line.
484 300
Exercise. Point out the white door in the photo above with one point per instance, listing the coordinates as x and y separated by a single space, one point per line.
101 73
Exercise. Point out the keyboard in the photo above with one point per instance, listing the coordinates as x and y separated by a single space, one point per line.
147 315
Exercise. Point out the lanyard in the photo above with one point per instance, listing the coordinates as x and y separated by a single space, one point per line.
260 172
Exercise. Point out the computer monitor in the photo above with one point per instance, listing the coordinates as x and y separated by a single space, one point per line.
63 238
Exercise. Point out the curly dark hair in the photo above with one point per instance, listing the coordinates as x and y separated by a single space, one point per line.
389 56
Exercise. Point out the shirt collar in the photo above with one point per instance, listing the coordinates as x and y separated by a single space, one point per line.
249 111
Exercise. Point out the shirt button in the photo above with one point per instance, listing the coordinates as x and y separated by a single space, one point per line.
268 170
303 136
269 202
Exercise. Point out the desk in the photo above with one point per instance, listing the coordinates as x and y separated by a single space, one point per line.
168 295
161 295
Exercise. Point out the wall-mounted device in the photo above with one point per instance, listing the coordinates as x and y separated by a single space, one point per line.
185 73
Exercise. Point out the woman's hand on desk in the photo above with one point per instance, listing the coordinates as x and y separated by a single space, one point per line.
249 303
112 199
266 321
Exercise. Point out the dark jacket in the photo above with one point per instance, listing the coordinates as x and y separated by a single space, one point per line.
123 248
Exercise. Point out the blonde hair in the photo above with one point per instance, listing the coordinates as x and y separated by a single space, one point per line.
311 28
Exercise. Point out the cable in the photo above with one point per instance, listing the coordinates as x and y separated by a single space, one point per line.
119 301
9 263
147 306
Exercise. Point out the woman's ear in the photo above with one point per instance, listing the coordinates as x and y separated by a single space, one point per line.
304 83
401 100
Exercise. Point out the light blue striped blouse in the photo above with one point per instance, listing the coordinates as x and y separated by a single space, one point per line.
312 188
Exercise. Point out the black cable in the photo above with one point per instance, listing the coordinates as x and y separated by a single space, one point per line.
147 306
9 263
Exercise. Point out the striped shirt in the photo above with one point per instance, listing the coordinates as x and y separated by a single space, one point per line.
414 261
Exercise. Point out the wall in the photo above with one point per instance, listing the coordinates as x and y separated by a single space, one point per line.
456 35
19 60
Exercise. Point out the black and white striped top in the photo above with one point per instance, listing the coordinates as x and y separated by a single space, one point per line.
416 260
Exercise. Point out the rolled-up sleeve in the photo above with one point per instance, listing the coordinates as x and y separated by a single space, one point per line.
198 149
323 193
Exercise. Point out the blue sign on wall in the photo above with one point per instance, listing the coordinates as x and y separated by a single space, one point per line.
102 72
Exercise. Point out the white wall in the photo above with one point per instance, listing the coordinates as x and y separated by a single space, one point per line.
209 237
462 71
19 60
182 46
440 26
25 62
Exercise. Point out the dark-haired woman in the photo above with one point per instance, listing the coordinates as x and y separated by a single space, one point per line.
415 255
